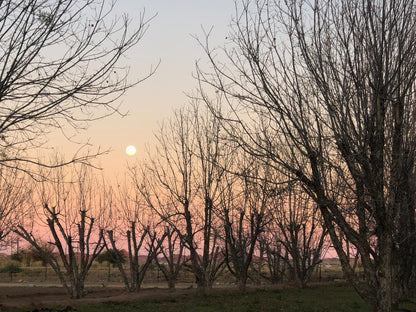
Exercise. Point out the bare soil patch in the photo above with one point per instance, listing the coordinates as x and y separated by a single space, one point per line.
38 297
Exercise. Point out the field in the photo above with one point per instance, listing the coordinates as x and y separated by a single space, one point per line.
31 290
322 297
333 297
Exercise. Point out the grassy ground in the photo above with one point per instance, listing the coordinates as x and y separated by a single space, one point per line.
318 298
331 298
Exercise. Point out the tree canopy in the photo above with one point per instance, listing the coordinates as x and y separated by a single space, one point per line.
324 90
60 66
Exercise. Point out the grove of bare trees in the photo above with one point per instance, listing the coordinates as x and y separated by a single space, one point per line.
60 69
301 135
235 204
324 91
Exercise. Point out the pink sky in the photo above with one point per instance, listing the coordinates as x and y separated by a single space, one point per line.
168 40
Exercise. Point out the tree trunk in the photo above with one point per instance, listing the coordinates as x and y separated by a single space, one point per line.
203 285
171 283
384 293
45 276
242 282
78 288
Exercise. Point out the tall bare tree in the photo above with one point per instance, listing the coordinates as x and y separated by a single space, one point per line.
325 90
300 231
170 259
70 212
143 239
137 228
181 185
61 65
244 212
272 256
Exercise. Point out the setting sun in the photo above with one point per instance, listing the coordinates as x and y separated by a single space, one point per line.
130 150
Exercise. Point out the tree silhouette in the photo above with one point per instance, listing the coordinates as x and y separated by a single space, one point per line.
113 257
324 90
60 67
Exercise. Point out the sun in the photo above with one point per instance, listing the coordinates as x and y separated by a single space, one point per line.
130 150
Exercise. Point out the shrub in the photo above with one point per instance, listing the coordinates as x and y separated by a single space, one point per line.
11 268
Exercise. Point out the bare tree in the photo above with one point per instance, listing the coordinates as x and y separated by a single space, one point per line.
244 211
138 228
171 258
272 256
139 239
299 230
325 90
181 185
68 209
61 65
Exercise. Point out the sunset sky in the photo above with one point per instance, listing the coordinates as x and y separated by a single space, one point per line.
168 40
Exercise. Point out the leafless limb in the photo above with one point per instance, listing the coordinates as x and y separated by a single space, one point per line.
324 90
61 66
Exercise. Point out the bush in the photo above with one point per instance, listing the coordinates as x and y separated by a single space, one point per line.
11 268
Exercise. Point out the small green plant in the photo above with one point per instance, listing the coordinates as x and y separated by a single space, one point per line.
11 268
17 256
112 257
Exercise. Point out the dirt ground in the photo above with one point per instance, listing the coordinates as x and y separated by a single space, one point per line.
36 297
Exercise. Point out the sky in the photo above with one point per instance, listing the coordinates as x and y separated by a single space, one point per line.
169 40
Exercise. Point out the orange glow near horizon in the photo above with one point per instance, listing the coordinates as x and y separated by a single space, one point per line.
168 42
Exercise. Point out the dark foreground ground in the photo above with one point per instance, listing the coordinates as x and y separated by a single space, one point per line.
329 297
